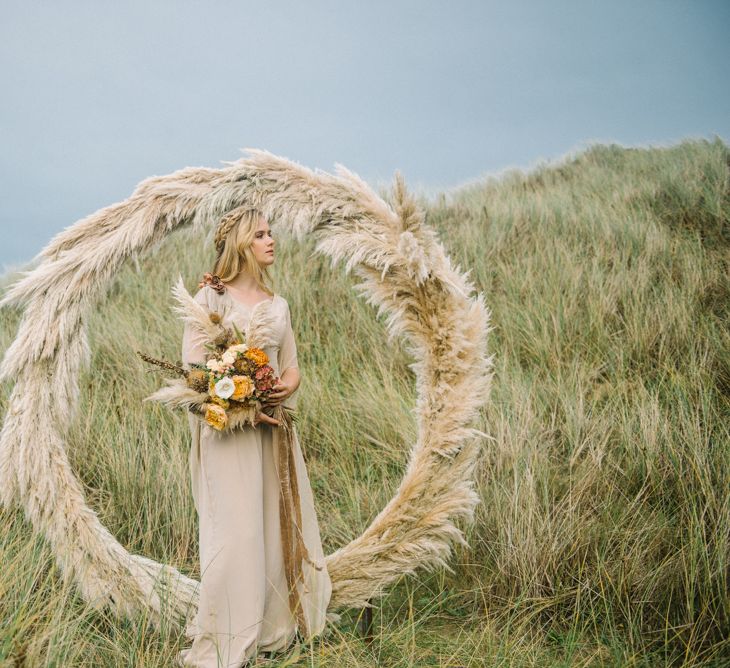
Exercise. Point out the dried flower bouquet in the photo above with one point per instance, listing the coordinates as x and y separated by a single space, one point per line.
230 388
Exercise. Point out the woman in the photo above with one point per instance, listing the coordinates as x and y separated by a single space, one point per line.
245 602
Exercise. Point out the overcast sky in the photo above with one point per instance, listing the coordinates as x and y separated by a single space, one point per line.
99 95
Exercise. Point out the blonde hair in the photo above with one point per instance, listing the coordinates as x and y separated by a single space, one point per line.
233 239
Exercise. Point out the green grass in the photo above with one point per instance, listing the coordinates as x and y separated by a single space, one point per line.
603 534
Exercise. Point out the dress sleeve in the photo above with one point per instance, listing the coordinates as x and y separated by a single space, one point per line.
193 341
288 358
288 348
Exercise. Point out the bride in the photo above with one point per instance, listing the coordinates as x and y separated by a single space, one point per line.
246 603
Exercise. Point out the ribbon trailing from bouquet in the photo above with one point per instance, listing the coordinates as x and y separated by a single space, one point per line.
290 515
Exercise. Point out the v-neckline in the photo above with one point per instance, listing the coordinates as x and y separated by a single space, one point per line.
246 306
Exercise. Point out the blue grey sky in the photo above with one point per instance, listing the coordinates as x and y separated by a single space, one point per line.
100 95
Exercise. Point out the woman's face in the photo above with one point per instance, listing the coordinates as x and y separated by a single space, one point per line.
263 244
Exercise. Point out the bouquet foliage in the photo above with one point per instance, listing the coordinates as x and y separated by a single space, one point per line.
231 386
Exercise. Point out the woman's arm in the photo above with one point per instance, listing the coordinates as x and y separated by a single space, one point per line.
288 349
288 363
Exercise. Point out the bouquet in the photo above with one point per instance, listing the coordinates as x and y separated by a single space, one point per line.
231 386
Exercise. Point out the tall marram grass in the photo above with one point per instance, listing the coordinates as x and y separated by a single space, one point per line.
604 530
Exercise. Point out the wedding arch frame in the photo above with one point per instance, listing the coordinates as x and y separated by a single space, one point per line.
403 271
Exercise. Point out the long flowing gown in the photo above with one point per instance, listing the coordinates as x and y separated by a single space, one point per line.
244 603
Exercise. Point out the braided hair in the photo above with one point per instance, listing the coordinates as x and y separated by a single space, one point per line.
230 258
227 223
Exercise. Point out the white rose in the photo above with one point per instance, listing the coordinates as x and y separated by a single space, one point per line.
225 387
238 348
228 357
213 365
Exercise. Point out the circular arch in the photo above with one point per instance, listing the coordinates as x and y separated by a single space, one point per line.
403 271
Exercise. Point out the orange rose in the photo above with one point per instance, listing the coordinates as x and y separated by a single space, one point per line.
257 355
244 387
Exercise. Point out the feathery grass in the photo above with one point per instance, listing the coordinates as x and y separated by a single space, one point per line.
602 537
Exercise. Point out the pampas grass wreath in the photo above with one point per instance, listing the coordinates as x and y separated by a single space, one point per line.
403 271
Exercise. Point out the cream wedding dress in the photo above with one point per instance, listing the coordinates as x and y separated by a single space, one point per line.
244 604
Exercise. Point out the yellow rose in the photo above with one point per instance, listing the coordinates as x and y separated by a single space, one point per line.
257 355
220 401
216 416
244 387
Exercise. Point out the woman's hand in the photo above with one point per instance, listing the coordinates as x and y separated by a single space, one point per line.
282 390
263 417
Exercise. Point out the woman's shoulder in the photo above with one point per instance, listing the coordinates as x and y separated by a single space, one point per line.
204 295
283 303
210 290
